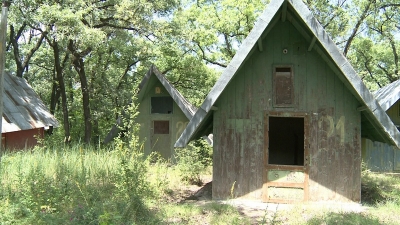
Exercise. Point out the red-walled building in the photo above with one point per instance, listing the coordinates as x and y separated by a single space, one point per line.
25 117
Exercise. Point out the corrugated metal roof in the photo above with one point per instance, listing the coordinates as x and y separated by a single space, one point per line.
383 128
388 95
23 109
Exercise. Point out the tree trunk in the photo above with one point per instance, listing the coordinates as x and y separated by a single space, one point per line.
55 96
61 86
79 66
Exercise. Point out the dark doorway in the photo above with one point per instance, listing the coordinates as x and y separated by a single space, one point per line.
286 141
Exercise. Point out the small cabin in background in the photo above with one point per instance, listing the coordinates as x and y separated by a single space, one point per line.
25 117
288 115
378 156
163 114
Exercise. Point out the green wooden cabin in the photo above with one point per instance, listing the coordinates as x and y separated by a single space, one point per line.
378 156
163 114
288 115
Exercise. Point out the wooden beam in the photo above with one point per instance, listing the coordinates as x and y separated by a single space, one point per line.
312 44
260 45
284 11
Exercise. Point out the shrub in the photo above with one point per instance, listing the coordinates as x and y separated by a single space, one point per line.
193 161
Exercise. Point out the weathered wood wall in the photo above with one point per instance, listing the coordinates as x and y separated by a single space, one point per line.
23 139
380 157
164 143
334 129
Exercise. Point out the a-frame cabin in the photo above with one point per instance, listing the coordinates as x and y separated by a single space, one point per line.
163 114
288 115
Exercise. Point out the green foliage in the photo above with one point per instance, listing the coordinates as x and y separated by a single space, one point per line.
345 219
73 185
115 42
193 161
379 188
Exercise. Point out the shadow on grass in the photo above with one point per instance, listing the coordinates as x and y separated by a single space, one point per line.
344 219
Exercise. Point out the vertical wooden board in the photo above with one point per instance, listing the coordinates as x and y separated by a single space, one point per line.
261 88
336 146
245 143
300 70
220 141
314 83
275 37
224 167
322 79
313 159
316 89
353 120
286 33
217 145
219 130
329 177
261 70
238 88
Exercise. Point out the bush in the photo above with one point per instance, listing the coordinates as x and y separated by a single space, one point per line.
193 161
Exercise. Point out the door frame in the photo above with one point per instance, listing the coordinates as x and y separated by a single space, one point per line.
291 169
154 138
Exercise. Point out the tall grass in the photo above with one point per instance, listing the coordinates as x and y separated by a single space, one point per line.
74 185
84 185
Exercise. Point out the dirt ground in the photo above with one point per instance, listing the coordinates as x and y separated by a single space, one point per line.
253 210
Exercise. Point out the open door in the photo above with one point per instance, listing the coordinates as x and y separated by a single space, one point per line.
286 158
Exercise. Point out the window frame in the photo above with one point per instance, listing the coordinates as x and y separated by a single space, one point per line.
275 85
159 97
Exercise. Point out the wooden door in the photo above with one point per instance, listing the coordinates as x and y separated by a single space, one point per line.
161 138
286 158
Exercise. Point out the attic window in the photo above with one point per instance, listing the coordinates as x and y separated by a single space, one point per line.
283 86
161 105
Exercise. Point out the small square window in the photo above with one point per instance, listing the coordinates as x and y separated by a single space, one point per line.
161 127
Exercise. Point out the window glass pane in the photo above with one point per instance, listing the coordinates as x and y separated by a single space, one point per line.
162 105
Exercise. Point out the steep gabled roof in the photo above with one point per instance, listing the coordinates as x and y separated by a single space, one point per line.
187 108
388 95
376 125
22 108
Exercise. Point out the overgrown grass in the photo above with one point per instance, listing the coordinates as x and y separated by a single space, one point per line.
74 186
83 185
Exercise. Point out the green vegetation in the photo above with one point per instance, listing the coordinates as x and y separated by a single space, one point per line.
84 57
84 185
